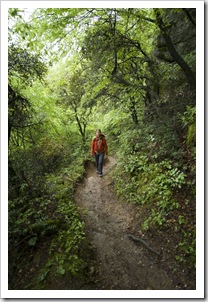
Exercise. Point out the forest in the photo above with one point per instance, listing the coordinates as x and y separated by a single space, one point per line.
132 73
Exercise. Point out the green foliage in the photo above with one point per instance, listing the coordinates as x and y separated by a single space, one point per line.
65 246
191 135
152 183
41 187
189 122
156 184
187 248
110 69
64 249
24 66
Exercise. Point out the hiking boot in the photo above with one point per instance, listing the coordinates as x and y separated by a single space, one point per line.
101 175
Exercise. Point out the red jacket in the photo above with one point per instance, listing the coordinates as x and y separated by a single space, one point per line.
99 145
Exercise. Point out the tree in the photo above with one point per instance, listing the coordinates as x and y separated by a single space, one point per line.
23 69
115 50
173 52
70 88
131 70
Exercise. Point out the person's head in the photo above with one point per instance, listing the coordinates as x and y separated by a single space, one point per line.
98 132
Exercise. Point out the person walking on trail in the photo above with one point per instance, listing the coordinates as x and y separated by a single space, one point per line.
98 149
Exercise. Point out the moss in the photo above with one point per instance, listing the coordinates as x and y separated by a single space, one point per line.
191 135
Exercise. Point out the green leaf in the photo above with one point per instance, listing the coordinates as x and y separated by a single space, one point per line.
33 241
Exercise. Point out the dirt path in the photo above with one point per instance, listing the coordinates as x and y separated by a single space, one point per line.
119 263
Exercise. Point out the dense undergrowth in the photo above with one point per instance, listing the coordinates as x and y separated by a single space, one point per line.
41 209
132 74
157 173
150 173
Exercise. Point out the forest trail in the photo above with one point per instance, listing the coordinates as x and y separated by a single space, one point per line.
119 264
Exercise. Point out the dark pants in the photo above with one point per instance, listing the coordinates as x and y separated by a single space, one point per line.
99 158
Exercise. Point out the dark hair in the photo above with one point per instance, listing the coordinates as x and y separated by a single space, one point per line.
98 130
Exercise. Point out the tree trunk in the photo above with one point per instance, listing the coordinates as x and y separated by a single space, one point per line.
178 59
173 52
133 111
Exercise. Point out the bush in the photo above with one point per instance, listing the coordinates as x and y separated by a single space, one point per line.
162 185
43 210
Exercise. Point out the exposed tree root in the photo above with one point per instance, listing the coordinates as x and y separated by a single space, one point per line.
139 240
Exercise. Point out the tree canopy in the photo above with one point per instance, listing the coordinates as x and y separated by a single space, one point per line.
130 72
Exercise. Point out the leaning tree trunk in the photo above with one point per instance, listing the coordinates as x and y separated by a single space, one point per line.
173 52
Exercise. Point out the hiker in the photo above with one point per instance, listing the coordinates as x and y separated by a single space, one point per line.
98 149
